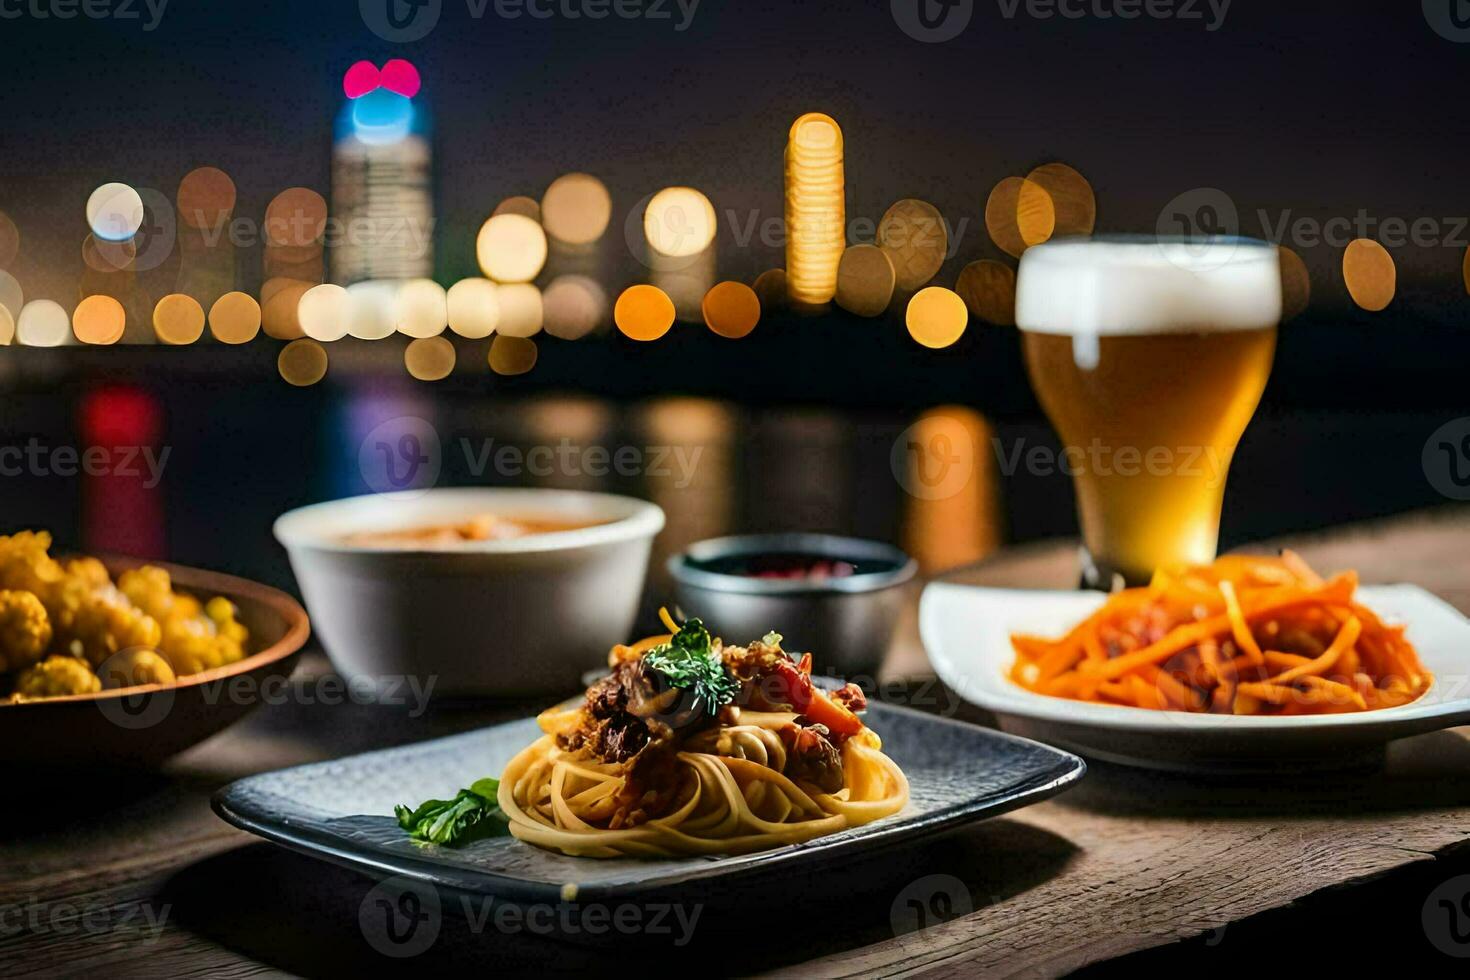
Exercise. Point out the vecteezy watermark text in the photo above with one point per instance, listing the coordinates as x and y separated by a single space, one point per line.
936 21
90 9
568 459
401 917
35 458
1097 458
406 21
36 917
1211 13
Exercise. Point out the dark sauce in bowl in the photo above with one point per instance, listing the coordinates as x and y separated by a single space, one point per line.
793 567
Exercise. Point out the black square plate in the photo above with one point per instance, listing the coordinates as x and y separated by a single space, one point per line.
342 811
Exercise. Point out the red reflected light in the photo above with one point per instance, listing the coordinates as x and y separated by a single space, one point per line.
361 79
401 77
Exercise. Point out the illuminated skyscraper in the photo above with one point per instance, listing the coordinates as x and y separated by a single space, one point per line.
382 189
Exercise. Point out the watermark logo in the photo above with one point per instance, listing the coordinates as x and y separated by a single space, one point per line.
934 458
1204 213
1101 459
400 917
400 21
1450 19
1446 917
401 455
36 458
1191 221
148 12
932 21
138 709
1446 459
929 901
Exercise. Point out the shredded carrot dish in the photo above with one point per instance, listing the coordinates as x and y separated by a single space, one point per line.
1245 635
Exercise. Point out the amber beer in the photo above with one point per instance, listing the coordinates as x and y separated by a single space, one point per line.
1149 357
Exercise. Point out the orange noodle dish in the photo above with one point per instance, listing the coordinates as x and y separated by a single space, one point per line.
694 746
1245 635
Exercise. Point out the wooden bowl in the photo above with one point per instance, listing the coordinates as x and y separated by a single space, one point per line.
140 727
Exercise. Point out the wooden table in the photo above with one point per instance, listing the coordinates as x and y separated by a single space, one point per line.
136 877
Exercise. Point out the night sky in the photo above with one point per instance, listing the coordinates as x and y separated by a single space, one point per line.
1306 110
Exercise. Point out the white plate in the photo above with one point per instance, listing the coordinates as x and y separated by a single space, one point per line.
967 631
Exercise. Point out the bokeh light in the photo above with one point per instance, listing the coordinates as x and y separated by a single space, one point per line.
511 248
42 323
816 207
100 255
574 307
360 79
325 312
644 312
1054 200
1369 272
401 77
234 318
9 240
865 280
421 308
1296 284
988 288
474 308
429 358
178 319
576 209
12 297
206 198
7 327
731 309
679 222
526 207
280 302
936 317
374 303
382 117
512 355
302 362
1000 216
913 234
115 212
296 218
99 320
521 310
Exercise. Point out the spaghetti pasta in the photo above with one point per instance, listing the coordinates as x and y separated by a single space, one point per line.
1244 635
640 768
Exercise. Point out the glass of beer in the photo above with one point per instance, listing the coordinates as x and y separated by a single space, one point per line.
1149 356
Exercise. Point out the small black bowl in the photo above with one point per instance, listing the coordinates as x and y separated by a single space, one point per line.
743 587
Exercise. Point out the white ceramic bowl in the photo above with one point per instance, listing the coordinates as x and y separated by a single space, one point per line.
967 630
501 618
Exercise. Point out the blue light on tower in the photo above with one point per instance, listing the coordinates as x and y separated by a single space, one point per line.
381 177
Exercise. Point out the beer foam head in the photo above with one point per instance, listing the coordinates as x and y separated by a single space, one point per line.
1142 285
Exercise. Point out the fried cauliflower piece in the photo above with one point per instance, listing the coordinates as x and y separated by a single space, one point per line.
25 630
89 617
195 637
96 623
90 571
56 676
25 565
132 668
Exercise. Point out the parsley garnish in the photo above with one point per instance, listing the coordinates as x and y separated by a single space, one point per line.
690 663
471 815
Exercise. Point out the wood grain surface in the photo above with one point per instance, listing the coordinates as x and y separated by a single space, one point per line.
134 876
